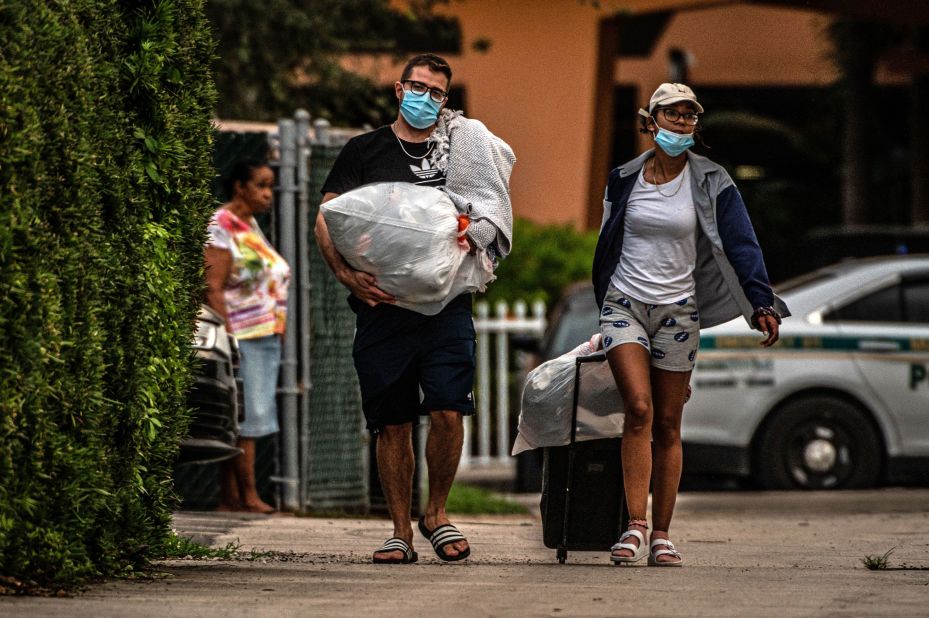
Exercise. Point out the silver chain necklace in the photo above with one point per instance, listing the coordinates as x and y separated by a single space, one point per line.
655 178
399 141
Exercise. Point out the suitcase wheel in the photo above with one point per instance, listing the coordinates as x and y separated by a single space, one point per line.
562 555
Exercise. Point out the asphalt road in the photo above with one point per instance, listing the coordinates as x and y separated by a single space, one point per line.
746 553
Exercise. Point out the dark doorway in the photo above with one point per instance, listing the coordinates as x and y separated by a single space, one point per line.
625 125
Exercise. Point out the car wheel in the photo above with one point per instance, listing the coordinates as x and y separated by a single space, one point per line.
819 442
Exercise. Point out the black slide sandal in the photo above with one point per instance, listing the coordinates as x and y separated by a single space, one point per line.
442 536
396 544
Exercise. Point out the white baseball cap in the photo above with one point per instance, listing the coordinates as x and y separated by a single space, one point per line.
669 93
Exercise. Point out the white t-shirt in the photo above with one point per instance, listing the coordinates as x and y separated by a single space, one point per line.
659 241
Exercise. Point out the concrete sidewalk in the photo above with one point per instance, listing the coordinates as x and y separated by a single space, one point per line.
746 554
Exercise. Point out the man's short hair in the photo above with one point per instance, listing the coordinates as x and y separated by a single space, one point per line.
435 63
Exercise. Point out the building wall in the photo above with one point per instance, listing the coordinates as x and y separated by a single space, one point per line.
536 85
534 89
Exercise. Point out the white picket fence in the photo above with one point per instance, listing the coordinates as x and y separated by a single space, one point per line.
493 378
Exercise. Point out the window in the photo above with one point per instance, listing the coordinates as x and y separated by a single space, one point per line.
916 301
905 302
881 306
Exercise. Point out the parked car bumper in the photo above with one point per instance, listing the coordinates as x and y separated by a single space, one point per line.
215 395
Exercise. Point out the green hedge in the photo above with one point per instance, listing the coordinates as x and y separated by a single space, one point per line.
544 261
104 196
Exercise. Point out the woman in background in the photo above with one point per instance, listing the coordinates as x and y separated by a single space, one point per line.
247 285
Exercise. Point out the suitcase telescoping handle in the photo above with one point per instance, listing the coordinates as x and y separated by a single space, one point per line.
580 360
562 551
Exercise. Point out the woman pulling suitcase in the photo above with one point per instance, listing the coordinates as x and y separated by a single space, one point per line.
676 253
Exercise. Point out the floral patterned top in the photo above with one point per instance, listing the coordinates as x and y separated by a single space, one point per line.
256 290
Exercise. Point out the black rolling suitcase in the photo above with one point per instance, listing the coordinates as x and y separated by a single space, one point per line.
583 500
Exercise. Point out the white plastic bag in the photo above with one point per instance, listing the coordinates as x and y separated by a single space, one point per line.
545 410
407 236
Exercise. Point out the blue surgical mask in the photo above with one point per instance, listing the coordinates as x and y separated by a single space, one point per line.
673 143
419 109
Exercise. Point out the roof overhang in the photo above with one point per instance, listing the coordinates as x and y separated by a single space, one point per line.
914 12
636 7
911 12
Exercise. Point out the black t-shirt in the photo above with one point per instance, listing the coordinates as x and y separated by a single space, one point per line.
380 156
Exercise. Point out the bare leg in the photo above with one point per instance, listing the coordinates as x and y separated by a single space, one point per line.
443 452
228 487
630 364
670 388
245 472
395 464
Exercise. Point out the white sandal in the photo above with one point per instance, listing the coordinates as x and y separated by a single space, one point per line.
638 551
670 551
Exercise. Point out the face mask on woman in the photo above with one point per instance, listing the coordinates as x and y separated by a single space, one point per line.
673 143
419 109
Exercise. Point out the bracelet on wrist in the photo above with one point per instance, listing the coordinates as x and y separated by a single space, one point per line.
763 311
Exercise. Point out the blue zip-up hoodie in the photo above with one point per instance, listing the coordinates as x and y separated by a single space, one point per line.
730 275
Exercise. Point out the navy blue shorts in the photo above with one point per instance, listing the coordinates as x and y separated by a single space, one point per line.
397 352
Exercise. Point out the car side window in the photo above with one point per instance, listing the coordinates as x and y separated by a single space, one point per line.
916 301
881 306
904 302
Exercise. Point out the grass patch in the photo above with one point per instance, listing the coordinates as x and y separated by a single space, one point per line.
877 563
182 547
471 500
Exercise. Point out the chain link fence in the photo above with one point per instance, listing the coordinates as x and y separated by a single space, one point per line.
335 451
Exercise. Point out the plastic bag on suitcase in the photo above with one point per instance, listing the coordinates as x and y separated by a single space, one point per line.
548 396
408 237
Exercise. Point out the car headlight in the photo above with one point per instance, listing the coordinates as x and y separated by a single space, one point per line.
205 337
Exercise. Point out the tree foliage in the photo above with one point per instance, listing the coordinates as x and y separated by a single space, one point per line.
275 56
544 261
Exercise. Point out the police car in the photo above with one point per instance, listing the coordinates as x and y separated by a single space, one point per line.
841 401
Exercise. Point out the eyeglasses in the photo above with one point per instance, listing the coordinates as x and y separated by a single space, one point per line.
418 88
672 115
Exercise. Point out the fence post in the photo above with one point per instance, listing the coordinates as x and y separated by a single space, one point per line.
321 129
538 312
483 376
288 389
302 280
503 383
